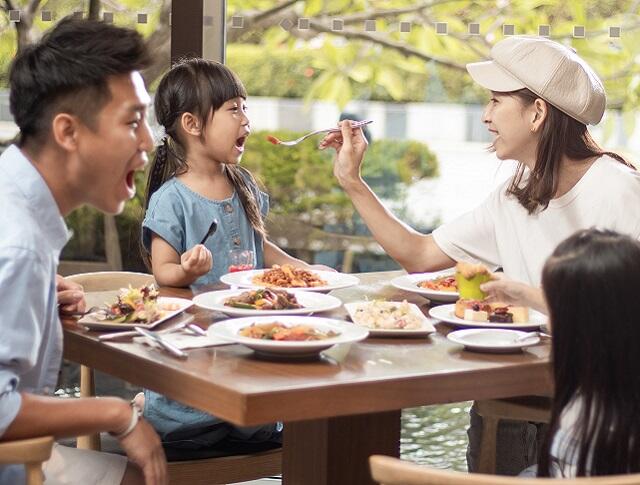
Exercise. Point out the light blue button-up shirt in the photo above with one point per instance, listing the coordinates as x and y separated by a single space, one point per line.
32 234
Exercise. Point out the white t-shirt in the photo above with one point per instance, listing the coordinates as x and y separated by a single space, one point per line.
500 232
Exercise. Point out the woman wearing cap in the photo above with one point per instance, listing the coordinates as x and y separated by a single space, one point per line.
543 96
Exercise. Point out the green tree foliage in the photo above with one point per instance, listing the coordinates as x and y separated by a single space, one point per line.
349 62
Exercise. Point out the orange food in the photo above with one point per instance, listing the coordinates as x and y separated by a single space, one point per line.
280 332
273 139
442 283
286 276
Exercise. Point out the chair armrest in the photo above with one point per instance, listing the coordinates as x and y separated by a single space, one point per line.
32 450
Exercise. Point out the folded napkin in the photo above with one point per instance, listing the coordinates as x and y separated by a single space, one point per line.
184 340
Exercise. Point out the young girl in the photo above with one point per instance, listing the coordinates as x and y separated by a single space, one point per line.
542 98
591 284
194 180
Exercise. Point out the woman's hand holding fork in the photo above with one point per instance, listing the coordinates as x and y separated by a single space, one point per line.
197 261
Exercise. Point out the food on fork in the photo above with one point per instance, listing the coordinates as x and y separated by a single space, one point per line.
469 278
281 332
386 315
273 139
264 299
134 305
286 276
441 283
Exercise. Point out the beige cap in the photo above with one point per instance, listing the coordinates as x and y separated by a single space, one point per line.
550 70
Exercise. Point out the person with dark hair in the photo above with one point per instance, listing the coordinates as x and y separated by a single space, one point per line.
195 179
543 96
591 283
80 103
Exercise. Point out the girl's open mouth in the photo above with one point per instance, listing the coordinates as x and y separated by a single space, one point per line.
240 143
131 186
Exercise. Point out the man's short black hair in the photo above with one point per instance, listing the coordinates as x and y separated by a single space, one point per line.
68 70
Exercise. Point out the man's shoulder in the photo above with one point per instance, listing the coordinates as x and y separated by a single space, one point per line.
19 225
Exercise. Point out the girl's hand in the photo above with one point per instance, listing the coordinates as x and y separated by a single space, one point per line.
197 260
350 145
511 292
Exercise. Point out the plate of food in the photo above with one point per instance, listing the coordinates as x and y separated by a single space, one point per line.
287 276
494 340
472 310
288 336
390 318
439 286
135 307
266 301
479 314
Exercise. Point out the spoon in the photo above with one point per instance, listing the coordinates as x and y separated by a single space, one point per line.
529 335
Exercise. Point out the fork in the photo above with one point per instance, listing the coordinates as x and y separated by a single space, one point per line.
291 143
93 309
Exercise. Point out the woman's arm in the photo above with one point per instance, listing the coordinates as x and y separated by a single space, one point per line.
172 269
512 292
414 251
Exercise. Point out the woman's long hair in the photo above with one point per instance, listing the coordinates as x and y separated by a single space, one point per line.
200 87
561 136
591 283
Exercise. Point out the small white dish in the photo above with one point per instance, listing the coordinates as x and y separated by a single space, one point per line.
92 322
311 303
229 329
494 340
425 329
410 282
446 313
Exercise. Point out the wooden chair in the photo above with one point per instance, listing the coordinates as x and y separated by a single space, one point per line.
113 255
214 471
392 471
536 409
32 452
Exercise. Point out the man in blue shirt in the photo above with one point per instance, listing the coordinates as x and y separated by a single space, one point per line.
80 103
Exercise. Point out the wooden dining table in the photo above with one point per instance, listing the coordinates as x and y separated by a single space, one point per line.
337 410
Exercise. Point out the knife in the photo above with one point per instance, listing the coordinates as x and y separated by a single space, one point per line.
172 349
185 321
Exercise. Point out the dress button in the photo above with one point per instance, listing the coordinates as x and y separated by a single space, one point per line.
228 208
236 241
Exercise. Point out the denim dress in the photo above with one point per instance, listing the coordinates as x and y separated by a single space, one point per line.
182 217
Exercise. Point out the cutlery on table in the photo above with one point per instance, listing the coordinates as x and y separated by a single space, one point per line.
291 143
169 347
212 229
93 309
529 335
132 333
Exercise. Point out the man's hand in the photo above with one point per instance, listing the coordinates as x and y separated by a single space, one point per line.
70 295
143 448
196 261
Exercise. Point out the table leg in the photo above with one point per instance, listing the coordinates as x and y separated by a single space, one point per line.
335 451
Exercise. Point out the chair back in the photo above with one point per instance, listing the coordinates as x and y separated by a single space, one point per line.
32 452
110 280
391 471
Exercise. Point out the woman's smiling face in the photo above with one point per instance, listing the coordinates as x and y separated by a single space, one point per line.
511 124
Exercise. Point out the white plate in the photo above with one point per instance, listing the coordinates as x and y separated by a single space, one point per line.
311 303
228 329
446 313
410 282
491 339
94 323
425 329
334 280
